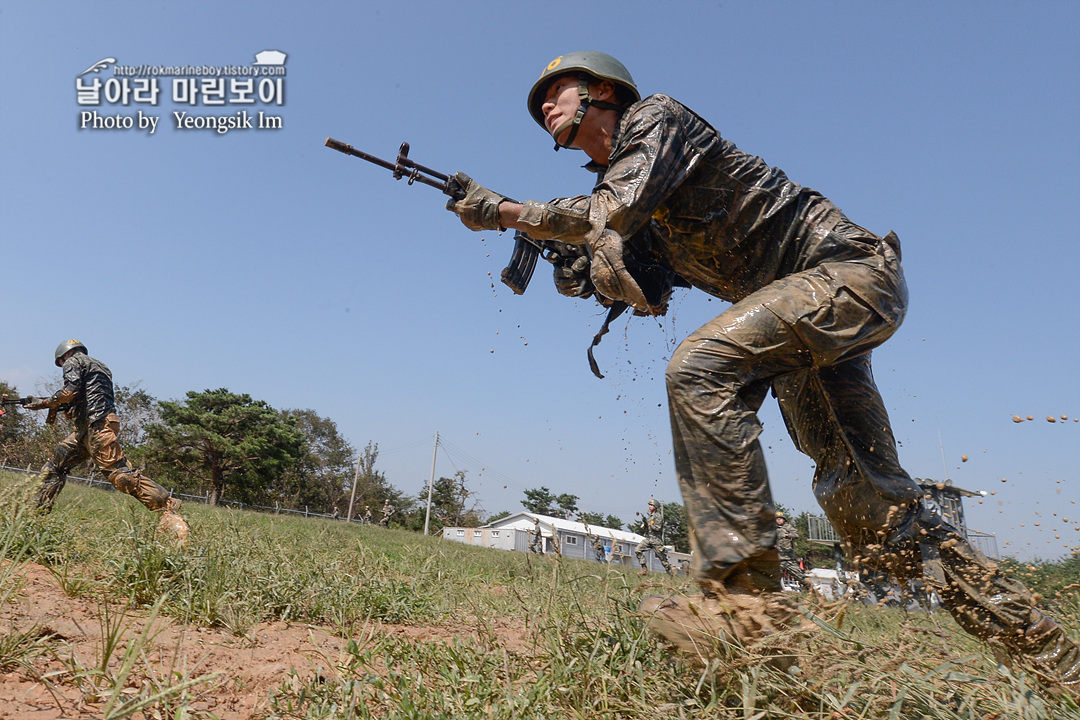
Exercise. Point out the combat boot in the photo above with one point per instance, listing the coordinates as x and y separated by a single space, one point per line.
718 623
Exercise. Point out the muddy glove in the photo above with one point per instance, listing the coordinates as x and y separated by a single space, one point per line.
477 206
572 274
609 274
36 403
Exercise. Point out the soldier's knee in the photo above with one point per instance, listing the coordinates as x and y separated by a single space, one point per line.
124 479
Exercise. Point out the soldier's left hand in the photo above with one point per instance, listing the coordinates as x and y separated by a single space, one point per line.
477 207
36 403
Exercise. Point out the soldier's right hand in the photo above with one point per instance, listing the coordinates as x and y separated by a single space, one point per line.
571 274
35 403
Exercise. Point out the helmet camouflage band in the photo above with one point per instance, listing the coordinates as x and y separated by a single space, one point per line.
595 64
65 347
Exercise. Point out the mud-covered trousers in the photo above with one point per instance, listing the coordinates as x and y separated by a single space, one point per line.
98 443
808 337
654 543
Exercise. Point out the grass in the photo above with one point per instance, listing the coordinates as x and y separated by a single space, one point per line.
501 634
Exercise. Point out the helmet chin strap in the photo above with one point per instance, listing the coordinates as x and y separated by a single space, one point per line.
574 123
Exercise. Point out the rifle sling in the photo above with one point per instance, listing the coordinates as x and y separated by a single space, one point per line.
617 308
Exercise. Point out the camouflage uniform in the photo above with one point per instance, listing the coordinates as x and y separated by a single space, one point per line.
654 525
786 536
536 543
598 548
88 390
387 511
812 294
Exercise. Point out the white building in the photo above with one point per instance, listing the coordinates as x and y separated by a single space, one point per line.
567 537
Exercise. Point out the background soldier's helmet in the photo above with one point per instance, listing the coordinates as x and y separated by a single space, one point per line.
65 347
597 65
653 503
780 514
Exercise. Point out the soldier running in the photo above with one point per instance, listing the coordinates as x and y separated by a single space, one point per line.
786 537
812 294
654 538
87 395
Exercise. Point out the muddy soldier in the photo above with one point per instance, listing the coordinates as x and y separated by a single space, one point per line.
387 511
536 538
786 537
88 396
653 530
811 295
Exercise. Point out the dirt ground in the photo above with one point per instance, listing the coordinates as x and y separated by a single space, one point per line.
250 667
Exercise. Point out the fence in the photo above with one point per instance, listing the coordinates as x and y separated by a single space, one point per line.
204 499
821 531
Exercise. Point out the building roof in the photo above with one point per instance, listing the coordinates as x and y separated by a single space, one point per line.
524 521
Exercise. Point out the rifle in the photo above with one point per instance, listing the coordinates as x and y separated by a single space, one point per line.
518 272
22 402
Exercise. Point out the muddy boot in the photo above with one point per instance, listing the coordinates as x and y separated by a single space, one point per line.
52 482
1046 646
171 525
718 623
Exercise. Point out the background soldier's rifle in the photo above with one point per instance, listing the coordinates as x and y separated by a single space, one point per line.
518 272
23 401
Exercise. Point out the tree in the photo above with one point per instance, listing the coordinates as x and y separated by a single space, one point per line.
676 527
608 521
25 440
542 502
322 477
539 501
449 505
373 489
137 410
225 440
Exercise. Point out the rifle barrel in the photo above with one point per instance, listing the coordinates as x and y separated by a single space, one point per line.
437 179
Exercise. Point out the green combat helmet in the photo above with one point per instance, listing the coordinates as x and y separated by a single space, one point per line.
65 347
587 65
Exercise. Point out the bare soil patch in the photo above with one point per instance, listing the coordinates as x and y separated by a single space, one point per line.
249 668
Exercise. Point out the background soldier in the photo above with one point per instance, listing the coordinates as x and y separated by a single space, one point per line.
812 294
367 514
387 511
654 538
597 543
87 398
536 538
786 537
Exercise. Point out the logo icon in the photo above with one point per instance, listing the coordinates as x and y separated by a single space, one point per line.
270 57
98 66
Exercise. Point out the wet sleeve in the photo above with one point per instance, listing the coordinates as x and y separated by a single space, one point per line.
73 382
652 158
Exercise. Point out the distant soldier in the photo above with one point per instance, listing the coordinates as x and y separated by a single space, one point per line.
597 543
786 537
387 511
87 398
536 538
654 538
367 514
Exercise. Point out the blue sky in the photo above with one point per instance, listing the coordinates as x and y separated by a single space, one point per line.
263 262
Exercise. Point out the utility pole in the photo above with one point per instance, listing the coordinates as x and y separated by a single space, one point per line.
431 482
356 479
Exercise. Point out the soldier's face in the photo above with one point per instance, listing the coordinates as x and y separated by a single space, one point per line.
561 101
780 521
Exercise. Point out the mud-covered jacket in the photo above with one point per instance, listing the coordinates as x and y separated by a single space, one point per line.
88 388
654 524
724 220
786 535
